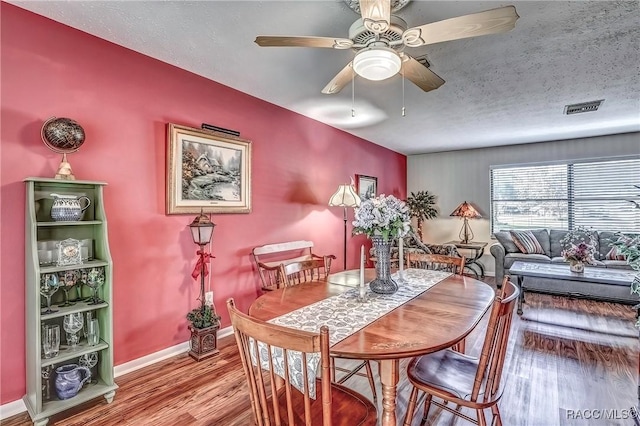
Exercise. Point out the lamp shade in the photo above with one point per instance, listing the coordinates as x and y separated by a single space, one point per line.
466 210
377 63
201 229
345 196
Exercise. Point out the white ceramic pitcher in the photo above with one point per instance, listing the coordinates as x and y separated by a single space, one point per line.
68 208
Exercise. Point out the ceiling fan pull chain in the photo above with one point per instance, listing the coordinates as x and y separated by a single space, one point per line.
353 93
403 110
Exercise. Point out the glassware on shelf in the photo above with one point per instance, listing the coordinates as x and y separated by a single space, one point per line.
46 381
87 244
90 361
95 278
51 340
68 279
72 324
93 332
88 316
49 284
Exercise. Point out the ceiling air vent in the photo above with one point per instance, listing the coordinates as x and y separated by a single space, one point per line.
583 107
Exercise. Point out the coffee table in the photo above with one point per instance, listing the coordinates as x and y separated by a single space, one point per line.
562 272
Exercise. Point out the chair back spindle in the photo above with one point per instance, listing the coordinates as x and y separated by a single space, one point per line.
274 400
438 262
495 344
304 271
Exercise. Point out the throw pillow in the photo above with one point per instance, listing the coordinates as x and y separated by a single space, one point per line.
526 242
614 255
504 238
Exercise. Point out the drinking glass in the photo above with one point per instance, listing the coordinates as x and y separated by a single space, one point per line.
51 340
72 324
90 361
49 284
95 278
87 319
68 279
93 332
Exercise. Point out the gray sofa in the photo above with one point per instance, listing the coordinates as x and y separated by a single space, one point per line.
506 253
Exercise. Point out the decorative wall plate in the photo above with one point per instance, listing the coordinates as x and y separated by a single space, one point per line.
69 252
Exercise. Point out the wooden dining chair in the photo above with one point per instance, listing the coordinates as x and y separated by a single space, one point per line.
296 273
269 257
274 400
439 262
302 271
464 380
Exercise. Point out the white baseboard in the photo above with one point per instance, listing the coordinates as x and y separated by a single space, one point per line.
12 408
16 407
145 361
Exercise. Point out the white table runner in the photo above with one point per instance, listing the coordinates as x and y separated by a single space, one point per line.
344 315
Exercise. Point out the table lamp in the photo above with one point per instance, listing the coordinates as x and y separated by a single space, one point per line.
345 197
466 211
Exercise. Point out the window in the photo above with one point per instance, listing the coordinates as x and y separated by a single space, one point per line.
595 194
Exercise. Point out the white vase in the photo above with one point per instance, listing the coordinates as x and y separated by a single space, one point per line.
577 267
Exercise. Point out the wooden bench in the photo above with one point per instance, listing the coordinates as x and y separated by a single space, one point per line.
269 257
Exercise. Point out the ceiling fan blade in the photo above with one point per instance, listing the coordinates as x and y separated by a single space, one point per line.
339 81
420 75
301 41
376 15
492 21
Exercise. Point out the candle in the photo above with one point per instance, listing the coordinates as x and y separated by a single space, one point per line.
401 255
362 288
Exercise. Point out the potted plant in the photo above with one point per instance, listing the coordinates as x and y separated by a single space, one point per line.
629 247
422 206
204 325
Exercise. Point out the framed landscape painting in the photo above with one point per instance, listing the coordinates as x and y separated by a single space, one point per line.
207 171
367 186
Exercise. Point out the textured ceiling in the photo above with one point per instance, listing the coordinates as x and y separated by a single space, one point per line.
501 89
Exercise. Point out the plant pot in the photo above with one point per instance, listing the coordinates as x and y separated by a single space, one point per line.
577 267
382 284
204 342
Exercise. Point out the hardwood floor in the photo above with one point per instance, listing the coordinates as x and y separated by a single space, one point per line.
565 355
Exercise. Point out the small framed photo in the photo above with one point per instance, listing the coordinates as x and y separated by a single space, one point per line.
367 186
207 170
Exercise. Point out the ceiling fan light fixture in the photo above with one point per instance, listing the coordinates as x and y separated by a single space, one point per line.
377 63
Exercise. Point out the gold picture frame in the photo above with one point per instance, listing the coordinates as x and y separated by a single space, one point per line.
207 171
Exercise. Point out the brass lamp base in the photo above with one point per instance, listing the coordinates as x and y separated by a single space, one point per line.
64 170
466 234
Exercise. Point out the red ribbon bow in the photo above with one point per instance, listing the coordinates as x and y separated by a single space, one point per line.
202 264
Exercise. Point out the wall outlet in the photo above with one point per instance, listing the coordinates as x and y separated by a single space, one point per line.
208 298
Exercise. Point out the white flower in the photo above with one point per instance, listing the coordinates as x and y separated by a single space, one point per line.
384 216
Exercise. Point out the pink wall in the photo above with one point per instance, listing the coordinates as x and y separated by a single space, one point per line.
124 100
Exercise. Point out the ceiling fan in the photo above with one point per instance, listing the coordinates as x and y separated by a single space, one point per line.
379 39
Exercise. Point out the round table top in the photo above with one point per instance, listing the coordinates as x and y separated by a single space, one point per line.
351 277
434 320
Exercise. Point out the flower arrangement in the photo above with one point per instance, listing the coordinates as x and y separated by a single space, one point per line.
383 216
579 246
582 253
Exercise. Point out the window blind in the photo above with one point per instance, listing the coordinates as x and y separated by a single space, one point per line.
595 194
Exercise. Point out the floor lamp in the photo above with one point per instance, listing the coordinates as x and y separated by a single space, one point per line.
345 197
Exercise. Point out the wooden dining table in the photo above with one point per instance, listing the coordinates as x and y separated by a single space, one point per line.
436 319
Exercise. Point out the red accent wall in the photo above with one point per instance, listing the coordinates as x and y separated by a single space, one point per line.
124 100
